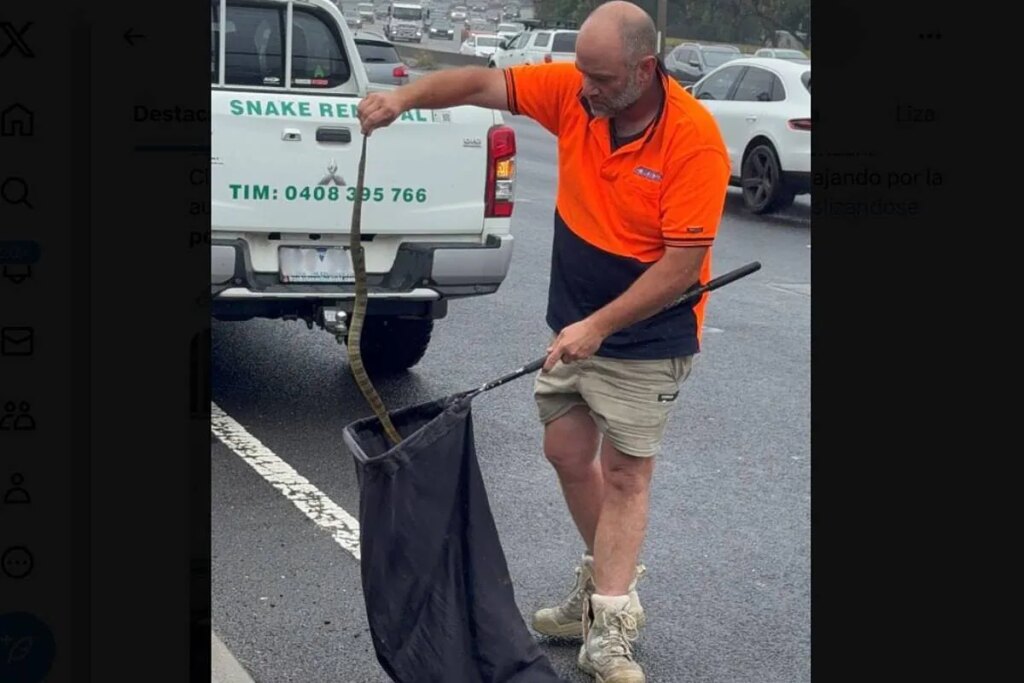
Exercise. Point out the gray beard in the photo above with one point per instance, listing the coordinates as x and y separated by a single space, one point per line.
622 101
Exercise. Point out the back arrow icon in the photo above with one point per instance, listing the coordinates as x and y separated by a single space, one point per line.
128 36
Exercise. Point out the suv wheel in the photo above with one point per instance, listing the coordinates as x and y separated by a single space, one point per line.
764 187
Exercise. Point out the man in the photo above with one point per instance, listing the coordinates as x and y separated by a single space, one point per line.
643 174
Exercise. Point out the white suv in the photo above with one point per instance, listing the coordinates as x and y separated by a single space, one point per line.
763 109
537 47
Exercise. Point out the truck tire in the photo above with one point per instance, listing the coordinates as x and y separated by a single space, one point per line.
392 345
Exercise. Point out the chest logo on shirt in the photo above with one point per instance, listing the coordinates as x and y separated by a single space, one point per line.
645 172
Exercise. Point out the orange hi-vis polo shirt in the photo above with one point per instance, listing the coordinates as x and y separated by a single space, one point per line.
619 207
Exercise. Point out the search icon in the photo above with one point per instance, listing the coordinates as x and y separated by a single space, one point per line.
15 191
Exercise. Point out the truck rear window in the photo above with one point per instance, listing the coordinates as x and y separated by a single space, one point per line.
564 42
252 46
317 58
254 53
377 52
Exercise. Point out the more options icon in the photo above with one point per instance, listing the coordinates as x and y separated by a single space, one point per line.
16 562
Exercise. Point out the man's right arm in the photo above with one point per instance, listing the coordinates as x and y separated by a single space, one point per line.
475 85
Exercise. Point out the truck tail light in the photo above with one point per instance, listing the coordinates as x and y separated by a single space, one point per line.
547 58
499 193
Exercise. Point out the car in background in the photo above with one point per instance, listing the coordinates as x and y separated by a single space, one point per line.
475 25
480 44
367 12
442 29
354 21
380 58
779 53
510 30
763 110
689 62
458 13
510 12
537 46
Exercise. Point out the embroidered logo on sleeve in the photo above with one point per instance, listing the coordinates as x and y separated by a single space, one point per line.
644 172
695 230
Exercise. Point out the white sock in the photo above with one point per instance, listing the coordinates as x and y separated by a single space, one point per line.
610 603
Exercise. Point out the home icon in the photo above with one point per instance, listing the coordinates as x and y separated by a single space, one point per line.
16 120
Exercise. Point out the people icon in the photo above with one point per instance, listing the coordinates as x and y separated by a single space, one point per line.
17 495
7 421
15 421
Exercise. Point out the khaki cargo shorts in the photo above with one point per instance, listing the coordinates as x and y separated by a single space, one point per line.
630 400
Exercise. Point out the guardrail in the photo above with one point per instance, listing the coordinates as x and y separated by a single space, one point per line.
414 54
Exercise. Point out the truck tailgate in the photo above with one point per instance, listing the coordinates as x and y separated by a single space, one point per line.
287 162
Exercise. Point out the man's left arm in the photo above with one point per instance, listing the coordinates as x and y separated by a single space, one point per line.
691 211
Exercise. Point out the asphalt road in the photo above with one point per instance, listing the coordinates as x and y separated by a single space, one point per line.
728 548
428 43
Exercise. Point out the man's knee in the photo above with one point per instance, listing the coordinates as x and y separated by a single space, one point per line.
627 474
571 441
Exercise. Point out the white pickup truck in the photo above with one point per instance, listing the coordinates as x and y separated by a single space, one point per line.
536 46
286 80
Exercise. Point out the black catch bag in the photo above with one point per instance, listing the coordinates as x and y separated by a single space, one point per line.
439 599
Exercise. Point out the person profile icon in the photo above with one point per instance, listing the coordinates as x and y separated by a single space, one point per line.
24 422
12 421
17 495
7 421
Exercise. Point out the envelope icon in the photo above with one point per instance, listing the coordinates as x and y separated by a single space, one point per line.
16 341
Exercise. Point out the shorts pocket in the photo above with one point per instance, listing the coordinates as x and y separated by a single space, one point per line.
681 367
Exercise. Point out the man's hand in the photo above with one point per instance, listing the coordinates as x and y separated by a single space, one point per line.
379 109
575 342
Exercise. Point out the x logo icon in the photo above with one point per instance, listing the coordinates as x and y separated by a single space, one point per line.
15 39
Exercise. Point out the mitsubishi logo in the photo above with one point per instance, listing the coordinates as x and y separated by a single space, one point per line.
332 176
321 252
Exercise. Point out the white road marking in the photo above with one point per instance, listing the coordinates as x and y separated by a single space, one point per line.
803 288
343 527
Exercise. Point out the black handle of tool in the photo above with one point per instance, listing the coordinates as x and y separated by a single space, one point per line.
515 374
714 283
717 282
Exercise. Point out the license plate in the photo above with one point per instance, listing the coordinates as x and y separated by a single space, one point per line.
316 264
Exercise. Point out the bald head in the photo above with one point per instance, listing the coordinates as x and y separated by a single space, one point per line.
622 24
615 53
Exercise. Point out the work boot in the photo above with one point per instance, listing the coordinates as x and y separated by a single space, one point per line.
608 630
566 620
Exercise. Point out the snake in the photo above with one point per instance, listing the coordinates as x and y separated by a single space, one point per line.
355 330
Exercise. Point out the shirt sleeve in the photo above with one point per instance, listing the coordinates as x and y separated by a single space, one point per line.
694 198
541 91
